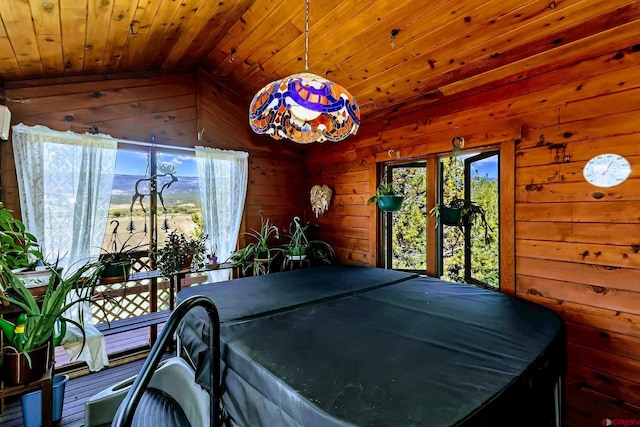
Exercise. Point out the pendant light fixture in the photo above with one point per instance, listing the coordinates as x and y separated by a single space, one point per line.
304 107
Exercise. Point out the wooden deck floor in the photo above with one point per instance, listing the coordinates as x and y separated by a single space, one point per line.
80 388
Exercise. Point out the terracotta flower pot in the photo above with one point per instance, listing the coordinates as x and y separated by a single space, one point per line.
186 265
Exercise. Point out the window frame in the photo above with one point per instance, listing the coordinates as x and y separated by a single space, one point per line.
484 154
386 221
507 208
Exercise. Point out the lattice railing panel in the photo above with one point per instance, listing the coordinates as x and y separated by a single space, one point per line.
129 299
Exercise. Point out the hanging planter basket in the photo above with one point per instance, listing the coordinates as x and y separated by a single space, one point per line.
298 253
450 216
116 272
390 203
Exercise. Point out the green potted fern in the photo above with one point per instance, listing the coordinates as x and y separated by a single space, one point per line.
459 212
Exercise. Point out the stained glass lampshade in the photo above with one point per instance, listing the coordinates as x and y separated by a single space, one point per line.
304 108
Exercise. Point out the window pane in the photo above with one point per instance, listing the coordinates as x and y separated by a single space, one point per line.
179 205
471 258
452 237
484 262
409 224
131 166
178 202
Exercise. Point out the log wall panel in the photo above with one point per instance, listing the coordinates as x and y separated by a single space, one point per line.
575 246
613 234
598 254
578 244
590 295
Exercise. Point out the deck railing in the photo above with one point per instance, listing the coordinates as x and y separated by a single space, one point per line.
134 297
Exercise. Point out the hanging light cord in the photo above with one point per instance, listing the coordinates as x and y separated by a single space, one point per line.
306 37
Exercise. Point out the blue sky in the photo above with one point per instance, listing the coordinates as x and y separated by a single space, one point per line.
135 163
486 167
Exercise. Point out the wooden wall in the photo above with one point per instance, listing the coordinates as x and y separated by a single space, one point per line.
576 246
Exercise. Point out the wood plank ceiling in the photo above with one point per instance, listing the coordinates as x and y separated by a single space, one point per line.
441 48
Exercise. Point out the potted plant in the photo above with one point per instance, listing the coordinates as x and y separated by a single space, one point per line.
299 246
41 322
26 355
20 252
180 252
212 256
118 258
257 254
387 197
460 212
18 247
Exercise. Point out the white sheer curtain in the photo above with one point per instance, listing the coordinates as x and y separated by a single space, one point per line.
65 182
223 177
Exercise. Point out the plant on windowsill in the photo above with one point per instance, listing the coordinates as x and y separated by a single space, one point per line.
387 197
212 257
257 255
180 252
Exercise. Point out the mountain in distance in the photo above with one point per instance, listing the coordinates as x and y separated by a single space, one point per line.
185 189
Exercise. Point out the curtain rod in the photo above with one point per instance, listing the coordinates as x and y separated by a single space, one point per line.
153 144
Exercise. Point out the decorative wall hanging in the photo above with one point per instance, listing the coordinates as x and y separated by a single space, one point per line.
147 186
320 199
304 107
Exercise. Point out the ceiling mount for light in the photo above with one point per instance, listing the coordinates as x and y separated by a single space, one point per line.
304 107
